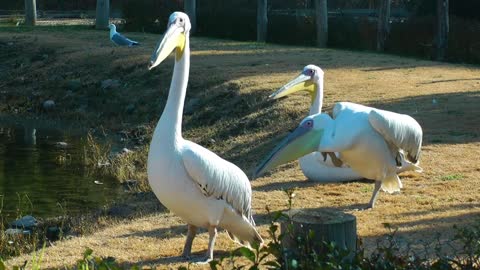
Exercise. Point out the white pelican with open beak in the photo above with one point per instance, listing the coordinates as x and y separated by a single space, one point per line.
191 181
318 166
377 144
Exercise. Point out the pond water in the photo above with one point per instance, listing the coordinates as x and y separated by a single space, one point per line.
41 176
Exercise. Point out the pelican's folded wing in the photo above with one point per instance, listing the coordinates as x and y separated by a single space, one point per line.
218 178
400 130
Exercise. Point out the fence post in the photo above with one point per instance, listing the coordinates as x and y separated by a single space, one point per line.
262 20
321 19
442 30
102 14
30 12
190 7
383 26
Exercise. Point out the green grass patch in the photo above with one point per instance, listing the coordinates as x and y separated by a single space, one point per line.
452 177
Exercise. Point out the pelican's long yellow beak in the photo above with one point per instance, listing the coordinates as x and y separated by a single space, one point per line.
174 39
301 83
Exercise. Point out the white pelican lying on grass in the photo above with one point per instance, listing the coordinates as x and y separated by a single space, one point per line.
191 181
119 39
318 166
372 141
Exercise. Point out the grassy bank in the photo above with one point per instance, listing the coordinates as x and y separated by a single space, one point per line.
227 110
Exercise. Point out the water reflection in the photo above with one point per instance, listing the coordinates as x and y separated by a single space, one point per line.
38 177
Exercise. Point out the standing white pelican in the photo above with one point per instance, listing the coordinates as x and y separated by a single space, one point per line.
318 166
119 39
191 181
371 141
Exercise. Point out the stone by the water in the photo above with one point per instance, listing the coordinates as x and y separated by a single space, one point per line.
48 105
53 233
13 232
26 222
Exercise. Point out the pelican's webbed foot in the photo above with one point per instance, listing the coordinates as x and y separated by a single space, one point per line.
336 161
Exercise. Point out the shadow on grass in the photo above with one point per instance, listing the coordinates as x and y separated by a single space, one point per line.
284 185
180 259
451 80
172 231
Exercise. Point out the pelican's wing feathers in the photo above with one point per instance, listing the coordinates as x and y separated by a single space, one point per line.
218 178
400 130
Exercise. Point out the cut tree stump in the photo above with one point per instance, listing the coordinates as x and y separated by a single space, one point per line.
327 225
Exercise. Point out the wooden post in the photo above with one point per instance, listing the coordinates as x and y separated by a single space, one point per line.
326 224
30 12
190 7
442 30
383 24
102 14
262 20
321 18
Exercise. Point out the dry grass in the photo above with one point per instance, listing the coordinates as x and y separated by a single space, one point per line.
231 82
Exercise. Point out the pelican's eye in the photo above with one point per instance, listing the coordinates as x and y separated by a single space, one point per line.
308 124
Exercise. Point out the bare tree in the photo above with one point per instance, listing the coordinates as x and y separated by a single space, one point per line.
103 14
442 30
383 25
321 18
262 20
30 12
190 7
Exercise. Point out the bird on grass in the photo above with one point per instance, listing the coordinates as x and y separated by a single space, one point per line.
191 181
119 39
316 166
375 143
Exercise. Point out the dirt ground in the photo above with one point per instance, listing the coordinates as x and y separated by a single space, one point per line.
227 110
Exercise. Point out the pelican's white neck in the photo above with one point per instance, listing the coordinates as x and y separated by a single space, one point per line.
318 99
170 122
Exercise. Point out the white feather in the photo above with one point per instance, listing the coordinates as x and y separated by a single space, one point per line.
218 178
399 129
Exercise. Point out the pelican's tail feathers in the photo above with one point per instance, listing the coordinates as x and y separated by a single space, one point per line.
240 229
392 183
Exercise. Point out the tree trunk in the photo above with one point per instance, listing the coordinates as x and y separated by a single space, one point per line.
262 20
326 224
190 7
103 14
30 12
321 18
442 30
383 25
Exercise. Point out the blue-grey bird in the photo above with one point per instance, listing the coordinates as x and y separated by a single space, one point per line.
119 39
